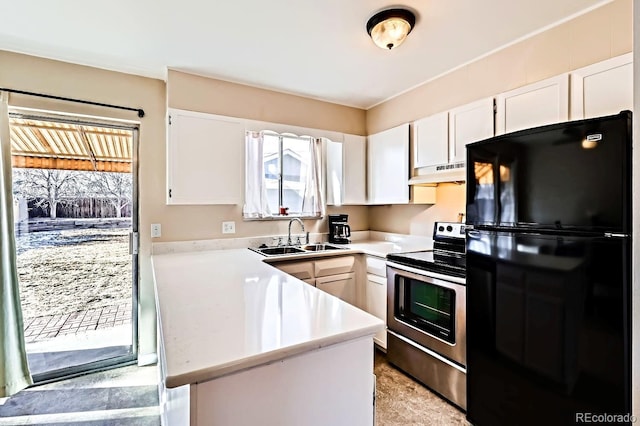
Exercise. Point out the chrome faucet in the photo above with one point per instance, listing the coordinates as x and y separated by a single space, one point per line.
302 226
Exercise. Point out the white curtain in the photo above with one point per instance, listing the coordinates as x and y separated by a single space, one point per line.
256 205
14 370
313 201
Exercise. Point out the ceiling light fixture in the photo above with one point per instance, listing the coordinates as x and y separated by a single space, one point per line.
390 27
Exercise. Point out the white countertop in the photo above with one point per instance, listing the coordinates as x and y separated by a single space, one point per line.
223 311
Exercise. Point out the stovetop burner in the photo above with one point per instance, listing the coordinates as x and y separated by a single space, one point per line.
447 256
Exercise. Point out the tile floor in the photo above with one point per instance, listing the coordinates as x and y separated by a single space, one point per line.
124 396
401 401
128 396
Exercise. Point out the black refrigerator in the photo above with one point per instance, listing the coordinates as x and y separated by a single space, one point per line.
548 254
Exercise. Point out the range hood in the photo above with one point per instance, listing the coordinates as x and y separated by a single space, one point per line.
450 172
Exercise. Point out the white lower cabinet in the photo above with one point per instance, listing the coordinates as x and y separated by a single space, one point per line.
334 265
301 270
377 304
376 295
334 275
342 286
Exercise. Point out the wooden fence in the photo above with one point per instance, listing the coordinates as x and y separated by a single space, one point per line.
95 208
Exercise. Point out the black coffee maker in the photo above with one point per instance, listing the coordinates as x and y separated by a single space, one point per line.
339 230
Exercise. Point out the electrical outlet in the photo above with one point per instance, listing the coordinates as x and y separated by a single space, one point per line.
228 227
156 230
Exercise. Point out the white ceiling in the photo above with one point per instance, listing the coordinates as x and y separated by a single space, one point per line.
313 48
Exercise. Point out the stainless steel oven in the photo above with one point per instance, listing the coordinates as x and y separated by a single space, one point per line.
426 313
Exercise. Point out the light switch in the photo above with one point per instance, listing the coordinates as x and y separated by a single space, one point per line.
156 230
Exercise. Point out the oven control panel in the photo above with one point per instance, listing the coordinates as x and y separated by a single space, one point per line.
449 230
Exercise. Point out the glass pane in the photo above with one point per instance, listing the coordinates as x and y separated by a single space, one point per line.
72 232
296 158
428 307
431 303
272 170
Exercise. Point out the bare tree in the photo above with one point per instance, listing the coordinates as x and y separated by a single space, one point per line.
49 187
117 187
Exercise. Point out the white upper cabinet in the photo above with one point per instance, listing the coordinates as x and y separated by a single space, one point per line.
334 172
439 141
388 166
346 171
544 102
469 123
205 159
430 140
604 88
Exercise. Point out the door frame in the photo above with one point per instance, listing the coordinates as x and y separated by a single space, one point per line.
134 127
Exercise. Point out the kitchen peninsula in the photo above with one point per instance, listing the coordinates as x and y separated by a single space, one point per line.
242 343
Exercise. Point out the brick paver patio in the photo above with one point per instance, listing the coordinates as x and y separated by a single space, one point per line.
50 326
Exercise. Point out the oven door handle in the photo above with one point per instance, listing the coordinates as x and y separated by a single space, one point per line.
435 278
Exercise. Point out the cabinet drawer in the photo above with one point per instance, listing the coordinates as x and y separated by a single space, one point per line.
335 265
302 270
376 266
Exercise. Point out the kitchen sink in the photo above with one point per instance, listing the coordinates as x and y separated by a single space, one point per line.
320 247
272 251
277 251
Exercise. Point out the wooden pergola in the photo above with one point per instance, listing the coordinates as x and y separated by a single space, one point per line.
52 145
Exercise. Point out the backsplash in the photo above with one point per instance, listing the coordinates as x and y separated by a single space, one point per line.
237 243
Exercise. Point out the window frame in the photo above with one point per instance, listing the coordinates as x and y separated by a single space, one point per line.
275 215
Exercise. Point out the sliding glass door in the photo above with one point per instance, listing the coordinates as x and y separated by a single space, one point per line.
75 209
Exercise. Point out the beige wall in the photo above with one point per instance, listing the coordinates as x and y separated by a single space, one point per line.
419 219
33 74
604 33
196 93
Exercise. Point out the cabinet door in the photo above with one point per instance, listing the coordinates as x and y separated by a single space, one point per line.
205 159
346 171
377 304
376 266
605 88
355 169
334 172
301 270
544 102
469 123
388 166
342 286
430 140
